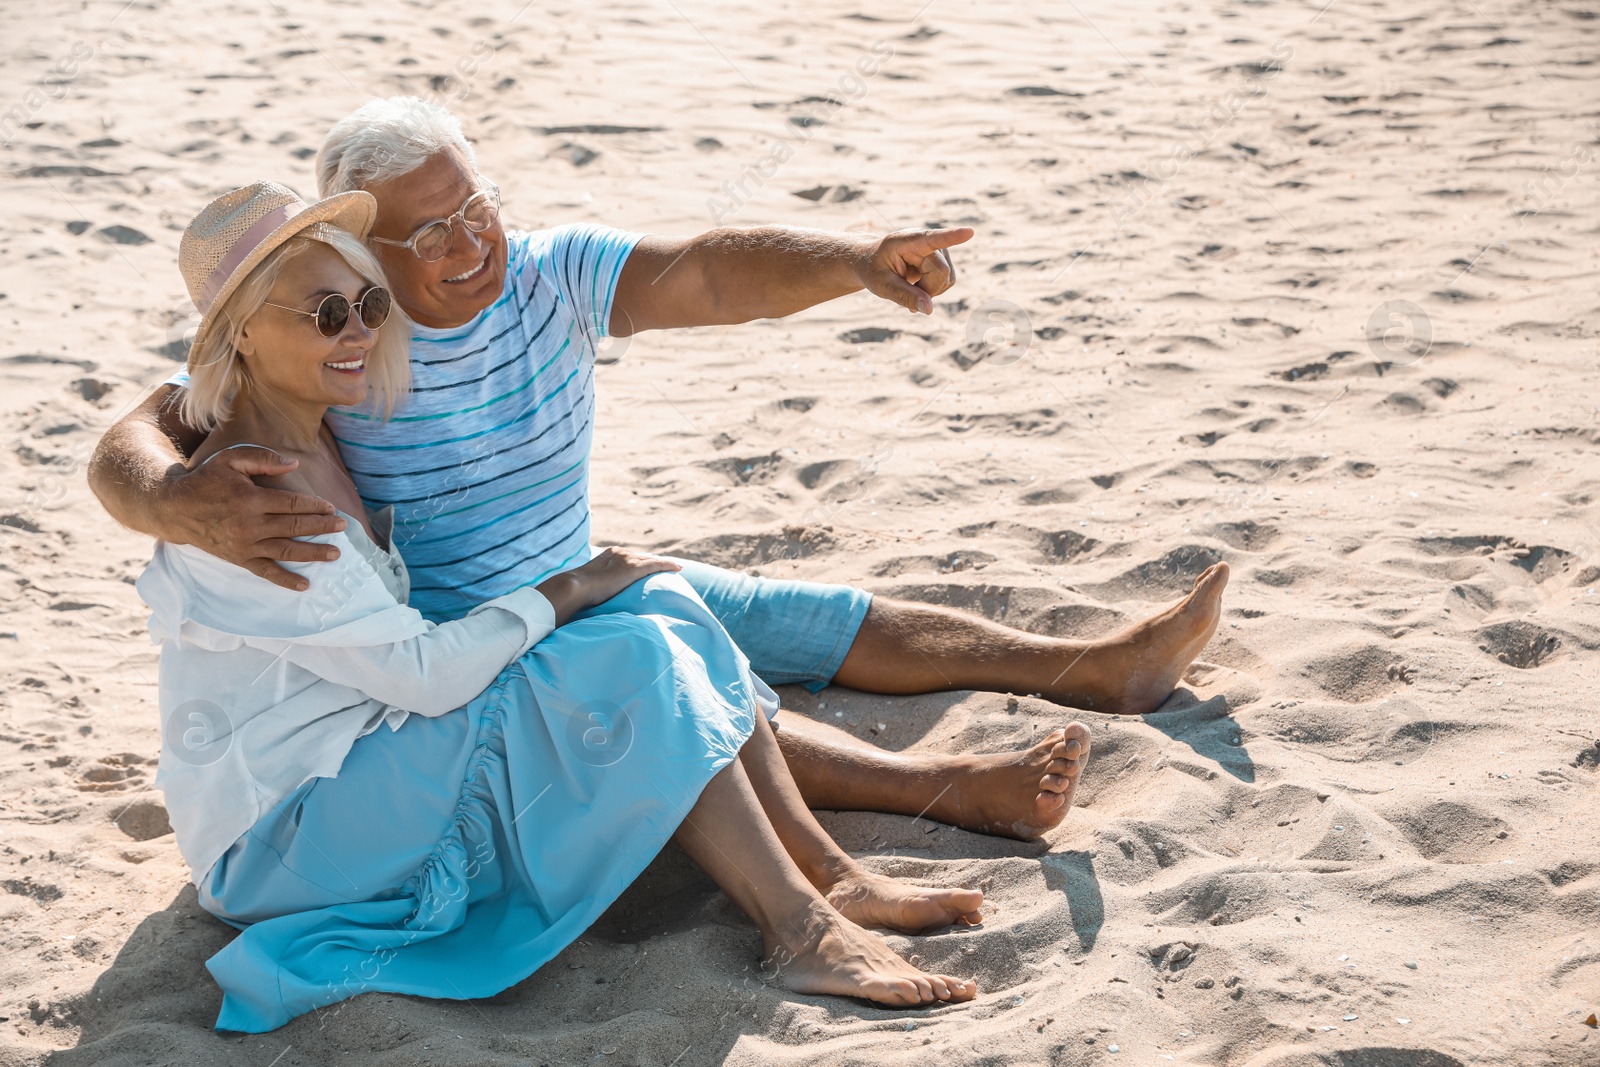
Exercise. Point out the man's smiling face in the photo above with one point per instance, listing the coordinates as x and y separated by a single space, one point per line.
452 290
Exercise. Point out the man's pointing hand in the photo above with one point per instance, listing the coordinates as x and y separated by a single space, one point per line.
911 267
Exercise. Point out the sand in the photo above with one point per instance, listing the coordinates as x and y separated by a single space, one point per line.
1365 831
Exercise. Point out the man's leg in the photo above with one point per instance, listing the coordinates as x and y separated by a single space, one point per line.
814 634
1011 794
903 647
808 633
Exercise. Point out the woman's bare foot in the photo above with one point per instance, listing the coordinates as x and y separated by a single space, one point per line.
878 901
827 953
1017 794
1132 672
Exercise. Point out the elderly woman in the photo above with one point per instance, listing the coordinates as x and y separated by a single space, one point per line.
382 803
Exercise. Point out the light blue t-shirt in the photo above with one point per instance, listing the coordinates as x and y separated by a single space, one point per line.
487 462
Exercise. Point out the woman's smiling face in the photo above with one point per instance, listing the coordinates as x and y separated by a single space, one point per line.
285 354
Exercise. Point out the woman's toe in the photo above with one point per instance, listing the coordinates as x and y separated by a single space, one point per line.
960 988
1049 801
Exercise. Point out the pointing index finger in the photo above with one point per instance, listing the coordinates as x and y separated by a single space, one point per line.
933 240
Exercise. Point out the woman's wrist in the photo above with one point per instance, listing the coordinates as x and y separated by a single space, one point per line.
567 593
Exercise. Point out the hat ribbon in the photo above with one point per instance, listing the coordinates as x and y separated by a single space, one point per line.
241 251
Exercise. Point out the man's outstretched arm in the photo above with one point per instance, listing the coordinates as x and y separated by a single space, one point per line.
734 275
139 473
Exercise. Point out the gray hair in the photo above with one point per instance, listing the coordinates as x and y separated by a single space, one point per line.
384 139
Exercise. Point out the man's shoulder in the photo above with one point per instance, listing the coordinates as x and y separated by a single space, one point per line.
561 230
550 243
531 248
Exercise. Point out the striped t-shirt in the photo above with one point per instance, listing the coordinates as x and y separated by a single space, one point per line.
487 462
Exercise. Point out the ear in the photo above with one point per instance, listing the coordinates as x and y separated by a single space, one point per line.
243 342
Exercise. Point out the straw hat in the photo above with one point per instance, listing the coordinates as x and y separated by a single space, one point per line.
237 230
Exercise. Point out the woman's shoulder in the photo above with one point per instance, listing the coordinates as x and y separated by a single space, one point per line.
227 438
184 584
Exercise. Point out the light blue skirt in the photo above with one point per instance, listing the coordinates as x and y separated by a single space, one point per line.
455 856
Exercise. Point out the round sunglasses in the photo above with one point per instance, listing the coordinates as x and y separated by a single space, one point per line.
333 314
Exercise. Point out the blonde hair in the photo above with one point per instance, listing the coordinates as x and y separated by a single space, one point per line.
216 369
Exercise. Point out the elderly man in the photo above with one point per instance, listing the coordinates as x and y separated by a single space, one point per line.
487 465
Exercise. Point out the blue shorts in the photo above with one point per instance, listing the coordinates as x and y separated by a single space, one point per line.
792 632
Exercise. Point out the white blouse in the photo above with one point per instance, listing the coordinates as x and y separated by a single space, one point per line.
263 689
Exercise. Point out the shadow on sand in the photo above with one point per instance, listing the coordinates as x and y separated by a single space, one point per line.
1072 875
1208 729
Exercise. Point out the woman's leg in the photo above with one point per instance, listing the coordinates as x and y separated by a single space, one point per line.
810 946
865 898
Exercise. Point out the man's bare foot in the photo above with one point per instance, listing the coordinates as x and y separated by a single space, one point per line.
1132 672
827 953
1016 794
878 901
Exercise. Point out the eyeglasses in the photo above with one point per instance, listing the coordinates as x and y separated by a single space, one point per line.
333 314
431 242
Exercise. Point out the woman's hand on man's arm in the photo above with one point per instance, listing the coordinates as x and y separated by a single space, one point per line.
597 581
140 476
